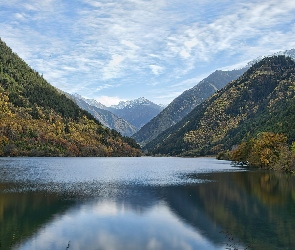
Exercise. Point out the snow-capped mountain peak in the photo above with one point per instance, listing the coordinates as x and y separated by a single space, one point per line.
290 53
132 103
91 102
96 104
137 112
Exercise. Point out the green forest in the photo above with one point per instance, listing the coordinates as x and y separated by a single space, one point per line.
249 121
261 100
38 120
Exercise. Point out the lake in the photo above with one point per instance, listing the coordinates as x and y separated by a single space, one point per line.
143 203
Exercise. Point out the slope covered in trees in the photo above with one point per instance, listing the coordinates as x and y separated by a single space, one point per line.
262 100
185 103
38 120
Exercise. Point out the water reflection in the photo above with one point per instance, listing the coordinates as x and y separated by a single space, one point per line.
22 214
257 207
221 210
144 218
112 225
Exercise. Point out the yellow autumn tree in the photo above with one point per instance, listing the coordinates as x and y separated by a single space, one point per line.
266 151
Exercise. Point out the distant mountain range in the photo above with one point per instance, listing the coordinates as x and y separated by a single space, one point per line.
126 117
262 99
106 117
137 112
184 103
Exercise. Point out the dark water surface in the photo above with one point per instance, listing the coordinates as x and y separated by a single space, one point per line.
143 203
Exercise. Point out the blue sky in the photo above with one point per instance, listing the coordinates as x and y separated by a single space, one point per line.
122 50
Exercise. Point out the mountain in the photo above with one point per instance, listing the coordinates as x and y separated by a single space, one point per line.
137 112
107 118
287 53
92 102
262 99
185 103
38 120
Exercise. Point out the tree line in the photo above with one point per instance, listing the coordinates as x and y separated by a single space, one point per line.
38 120
267 150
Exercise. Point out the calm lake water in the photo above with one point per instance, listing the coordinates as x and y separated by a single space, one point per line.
143 203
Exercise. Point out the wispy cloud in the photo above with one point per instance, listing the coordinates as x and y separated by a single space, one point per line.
86 44
162 94
156 69
235 31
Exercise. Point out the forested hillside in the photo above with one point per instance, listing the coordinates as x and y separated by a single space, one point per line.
37 120
185 103
262 100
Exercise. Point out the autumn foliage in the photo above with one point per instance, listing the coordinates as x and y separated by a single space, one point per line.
38 120
262 99
52 135
268 150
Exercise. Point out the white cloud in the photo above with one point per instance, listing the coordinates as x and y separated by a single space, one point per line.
109 100
184 53
157 70
130 45
189 83
33 5
112 69
20 16
243 22
104 86
86 42
116 60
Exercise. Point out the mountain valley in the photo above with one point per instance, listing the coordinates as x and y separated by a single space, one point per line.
262 99
39 120
184 103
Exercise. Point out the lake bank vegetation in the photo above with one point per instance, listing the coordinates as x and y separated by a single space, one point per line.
267 151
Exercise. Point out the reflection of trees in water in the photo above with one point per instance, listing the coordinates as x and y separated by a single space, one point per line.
22 214
187 204
256 207
272 188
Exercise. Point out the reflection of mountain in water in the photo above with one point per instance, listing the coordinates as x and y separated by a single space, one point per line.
186 203
22 214
256 207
